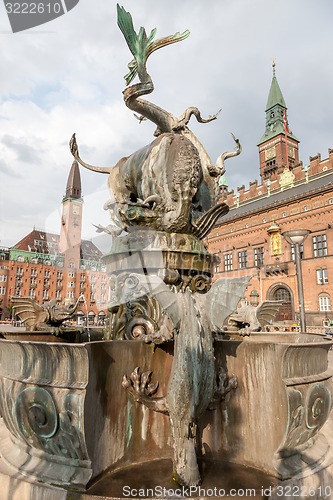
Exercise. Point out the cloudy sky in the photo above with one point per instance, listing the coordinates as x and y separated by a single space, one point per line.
67 76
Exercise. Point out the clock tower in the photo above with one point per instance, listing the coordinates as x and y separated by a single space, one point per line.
71 220
278 147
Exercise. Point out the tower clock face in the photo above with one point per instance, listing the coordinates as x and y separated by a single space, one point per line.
270 153
291 152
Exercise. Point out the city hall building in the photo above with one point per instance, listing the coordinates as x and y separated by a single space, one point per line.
47 266
290 196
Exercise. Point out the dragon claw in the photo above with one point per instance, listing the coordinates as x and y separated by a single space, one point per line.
139 386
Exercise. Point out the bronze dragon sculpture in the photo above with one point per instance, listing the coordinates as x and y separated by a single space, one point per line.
171 184
41 317
170 187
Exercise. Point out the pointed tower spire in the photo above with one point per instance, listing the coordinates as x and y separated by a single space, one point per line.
278 147
73 188
276 109
275 96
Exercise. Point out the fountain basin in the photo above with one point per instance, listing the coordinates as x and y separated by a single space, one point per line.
66 420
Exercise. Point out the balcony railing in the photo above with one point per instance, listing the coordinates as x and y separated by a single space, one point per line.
277 268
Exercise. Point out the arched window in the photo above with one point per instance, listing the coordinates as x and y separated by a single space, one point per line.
324 302
282 293
91 317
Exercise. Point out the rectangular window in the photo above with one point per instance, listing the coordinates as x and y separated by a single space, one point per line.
322 276
259 256
242 259
3 278
319 243
2 290
301 251
45 294
228 262
71 284
32 292
70 295
324 303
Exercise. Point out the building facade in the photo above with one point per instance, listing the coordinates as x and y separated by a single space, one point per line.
64 267
290 195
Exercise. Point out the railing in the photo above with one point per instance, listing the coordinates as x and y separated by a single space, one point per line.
278 268
278 327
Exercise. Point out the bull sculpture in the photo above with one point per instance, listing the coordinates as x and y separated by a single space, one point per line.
171 184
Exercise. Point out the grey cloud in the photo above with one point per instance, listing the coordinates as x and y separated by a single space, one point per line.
225 63
5 169
24 152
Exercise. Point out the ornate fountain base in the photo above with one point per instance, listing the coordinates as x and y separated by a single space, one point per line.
180 259
69 431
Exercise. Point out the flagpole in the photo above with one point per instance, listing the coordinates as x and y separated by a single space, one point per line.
286 137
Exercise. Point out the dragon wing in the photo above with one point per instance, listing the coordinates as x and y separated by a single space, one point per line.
222 299
268 310
168 301
141 45
26 309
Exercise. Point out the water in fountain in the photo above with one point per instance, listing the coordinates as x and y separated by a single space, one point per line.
86 307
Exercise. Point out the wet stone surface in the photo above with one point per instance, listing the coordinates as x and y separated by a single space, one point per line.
154 480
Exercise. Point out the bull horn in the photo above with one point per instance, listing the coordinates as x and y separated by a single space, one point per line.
75 152
224 156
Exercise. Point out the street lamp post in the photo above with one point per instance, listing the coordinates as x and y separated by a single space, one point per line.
297 238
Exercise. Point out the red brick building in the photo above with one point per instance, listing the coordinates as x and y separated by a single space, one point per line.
290 195
45 266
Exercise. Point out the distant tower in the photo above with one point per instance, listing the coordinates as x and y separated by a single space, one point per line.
277 139
71 221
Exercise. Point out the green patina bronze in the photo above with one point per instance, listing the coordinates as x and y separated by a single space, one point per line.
141 45
166 198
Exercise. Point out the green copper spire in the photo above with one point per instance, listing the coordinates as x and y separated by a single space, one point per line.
275 95
276 109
